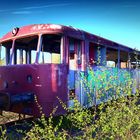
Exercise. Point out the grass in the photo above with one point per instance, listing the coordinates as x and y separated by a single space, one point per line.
118 119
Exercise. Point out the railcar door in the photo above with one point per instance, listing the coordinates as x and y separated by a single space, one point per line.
75 67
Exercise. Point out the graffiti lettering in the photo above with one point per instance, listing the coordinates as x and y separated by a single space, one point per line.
46 26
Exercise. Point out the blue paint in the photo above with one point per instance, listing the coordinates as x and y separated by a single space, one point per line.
98 84
22 98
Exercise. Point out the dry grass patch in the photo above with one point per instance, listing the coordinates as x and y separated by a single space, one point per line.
8 117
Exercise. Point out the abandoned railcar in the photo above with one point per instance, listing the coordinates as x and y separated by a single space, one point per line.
40 63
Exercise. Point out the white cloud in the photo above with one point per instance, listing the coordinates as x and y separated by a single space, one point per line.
21 12
46 6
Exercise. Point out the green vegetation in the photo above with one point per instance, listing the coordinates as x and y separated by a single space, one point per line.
117 118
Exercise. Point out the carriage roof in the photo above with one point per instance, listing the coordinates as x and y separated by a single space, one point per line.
36 29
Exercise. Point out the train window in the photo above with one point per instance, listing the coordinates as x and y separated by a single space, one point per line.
134 60
24 57
25 50
5 52
71 49
2 55
92 53
75 51
97 54
112 57
33 55
124 57
50 49
123 64
21 56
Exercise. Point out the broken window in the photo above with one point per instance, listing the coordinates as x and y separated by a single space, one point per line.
5 50
50 49
112 57
25 50
134 59
124 59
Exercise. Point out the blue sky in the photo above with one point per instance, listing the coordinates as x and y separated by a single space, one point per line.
117 20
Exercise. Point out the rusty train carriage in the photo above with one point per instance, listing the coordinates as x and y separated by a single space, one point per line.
43 60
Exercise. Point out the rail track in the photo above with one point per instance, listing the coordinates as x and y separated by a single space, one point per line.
15 127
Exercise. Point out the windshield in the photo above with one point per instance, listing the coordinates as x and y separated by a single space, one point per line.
5 49
25 50
50 49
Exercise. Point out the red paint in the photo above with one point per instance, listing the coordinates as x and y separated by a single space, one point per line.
45 79
91 54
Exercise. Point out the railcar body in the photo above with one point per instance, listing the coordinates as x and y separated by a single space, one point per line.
40 64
